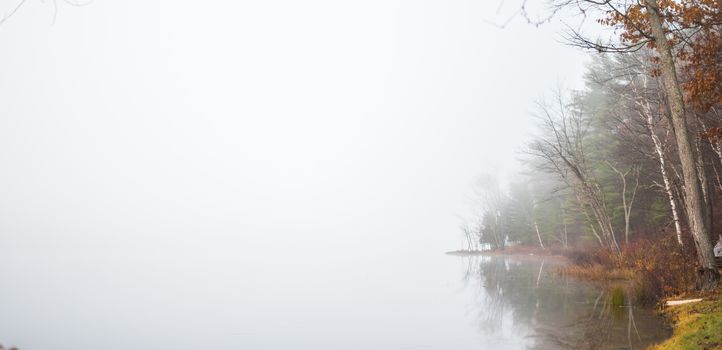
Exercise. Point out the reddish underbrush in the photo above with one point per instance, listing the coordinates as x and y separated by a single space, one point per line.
655 268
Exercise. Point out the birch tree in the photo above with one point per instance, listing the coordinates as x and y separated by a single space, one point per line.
645 23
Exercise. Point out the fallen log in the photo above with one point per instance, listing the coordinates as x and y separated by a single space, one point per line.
682 302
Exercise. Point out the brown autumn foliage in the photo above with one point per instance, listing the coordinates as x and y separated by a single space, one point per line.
658 268
695 29
702 54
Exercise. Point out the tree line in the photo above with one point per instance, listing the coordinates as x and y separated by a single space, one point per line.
636 153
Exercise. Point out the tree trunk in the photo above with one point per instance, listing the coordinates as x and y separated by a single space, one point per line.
648 116
627 205
665 178
704 184
566 234
536 227
708 274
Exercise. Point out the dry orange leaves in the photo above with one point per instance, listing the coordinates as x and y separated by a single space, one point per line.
695 30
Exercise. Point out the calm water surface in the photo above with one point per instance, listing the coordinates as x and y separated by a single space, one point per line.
192 295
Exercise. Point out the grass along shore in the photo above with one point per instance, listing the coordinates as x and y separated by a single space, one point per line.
696 325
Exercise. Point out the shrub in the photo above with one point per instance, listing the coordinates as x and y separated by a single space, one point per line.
657 268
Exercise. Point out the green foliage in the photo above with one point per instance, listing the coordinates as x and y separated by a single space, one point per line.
615 132
658 210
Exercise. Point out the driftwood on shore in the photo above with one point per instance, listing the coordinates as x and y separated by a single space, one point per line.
682 302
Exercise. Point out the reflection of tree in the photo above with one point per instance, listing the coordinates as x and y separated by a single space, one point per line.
551 311
494 300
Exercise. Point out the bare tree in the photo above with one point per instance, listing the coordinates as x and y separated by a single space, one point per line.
538 235
627 200
564 235
695 203
469 236
492 200
18 5
563 151
640 94
644 24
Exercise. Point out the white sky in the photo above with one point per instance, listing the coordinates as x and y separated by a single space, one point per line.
272 124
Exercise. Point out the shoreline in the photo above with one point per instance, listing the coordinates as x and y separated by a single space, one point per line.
694 326
521 252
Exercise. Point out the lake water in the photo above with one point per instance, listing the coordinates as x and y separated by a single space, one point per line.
192 295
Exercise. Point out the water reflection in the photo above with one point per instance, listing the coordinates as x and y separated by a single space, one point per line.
524 298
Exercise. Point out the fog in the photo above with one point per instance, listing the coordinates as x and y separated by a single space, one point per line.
279 146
